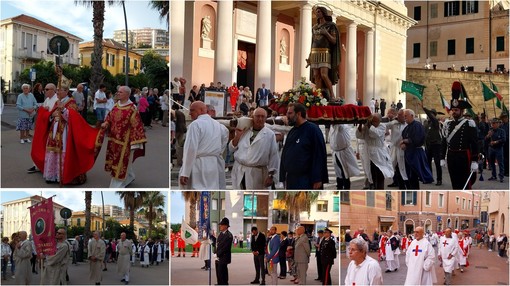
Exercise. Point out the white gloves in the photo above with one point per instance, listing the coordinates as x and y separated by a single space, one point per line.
442 163
474 166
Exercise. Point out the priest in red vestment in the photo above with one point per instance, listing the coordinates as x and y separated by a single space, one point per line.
63 145
126 139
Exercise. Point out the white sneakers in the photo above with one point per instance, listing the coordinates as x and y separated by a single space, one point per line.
22 141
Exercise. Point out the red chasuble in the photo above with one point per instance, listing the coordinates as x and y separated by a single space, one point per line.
80 142
125 129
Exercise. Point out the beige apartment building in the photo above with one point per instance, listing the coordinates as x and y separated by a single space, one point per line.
456 34
255 42
495 207
406 210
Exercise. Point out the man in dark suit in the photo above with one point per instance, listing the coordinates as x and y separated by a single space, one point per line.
318 242
283 255
223 252
328 255
263 95
258 247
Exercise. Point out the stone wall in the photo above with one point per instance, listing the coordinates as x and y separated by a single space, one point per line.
445 78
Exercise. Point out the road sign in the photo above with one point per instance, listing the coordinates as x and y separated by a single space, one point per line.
32 74
66 213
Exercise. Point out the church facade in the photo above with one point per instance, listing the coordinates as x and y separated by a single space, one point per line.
252 42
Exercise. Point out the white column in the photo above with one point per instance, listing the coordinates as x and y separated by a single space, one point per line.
187 70
263 49
369 67
350 68
296 60
275 52
224 37
305 36
177 37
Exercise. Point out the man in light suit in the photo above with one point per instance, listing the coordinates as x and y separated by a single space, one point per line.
301 255
263 96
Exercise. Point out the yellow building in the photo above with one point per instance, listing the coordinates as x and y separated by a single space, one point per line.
78 219
140 228
114 57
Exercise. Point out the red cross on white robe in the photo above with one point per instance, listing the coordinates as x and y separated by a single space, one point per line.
416 250
445 243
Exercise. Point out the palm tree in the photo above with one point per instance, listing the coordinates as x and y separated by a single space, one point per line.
298 201
152 201
98 9
163 8
133 200
88 202
192 198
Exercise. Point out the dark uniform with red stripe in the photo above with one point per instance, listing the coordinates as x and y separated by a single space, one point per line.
461 150
328 255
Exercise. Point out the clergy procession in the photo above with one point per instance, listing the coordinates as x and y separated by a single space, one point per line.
266 149
429 258
27 266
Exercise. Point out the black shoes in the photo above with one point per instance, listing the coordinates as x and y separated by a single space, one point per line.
387 270
33 169
51 182
254 282
439 183
493 179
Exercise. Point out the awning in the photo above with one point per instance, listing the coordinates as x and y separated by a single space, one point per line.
386 218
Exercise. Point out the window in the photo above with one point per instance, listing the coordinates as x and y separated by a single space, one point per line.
500 67
500 44
470 45
370 199
23 39
78 221
469 7
476 205
214 204
463 203
112 60
451 47
107 59
322 206
409 198
428 198
250 205
416 50
441 200
97 225
344 197
433 49
388 200
34 46
469 204
135 64
457 200
417 13
280 216
123 63
483 217
336 204
451 8
433 11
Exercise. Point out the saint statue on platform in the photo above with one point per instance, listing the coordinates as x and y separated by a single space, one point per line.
283 47
206 27
324 56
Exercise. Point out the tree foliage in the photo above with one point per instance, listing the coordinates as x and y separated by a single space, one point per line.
156 69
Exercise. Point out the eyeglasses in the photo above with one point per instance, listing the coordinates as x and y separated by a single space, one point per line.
48 89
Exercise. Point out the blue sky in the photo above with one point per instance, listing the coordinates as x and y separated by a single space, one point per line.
176 207
73 199
77 20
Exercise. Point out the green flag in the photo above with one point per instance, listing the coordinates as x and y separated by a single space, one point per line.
413 88
488 93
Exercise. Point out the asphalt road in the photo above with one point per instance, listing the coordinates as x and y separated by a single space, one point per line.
152 171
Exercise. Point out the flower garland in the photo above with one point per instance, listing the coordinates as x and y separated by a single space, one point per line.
304 93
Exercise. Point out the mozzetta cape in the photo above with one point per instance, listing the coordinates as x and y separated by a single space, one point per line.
126 129
80 154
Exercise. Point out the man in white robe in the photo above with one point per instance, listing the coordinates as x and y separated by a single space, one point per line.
96 252
380 164
448 249
133 254
203 165
395 128
144 251
420 261
125 249
344 159
55 266
363 269
256 155
392 251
